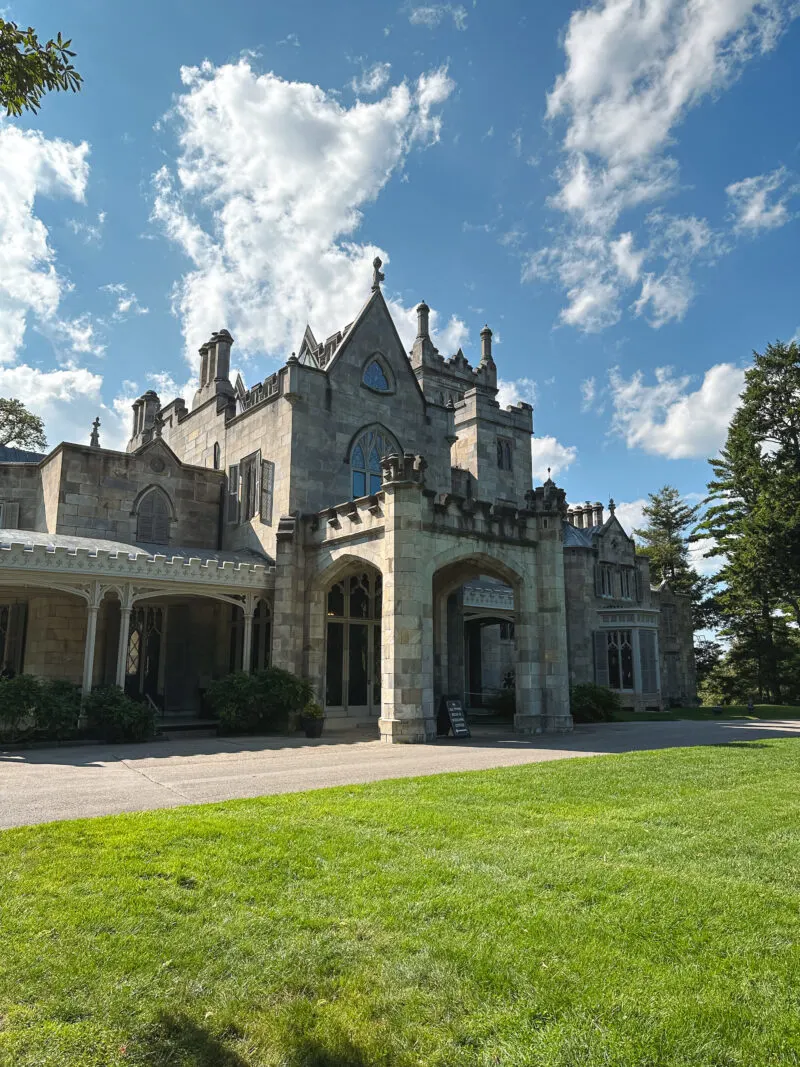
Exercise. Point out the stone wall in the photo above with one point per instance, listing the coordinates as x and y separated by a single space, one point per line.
21 483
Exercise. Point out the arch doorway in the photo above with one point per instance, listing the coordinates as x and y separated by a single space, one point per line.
353 607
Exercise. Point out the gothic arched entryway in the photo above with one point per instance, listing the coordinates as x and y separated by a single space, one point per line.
353 644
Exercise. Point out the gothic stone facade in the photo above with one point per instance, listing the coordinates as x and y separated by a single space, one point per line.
363 517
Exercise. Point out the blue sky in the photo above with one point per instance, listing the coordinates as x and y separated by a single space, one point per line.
614 187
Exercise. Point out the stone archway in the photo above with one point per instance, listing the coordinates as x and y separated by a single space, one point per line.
458 637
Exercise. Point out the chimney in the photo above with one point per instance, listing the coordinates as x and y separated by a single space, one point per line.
486 345
223 360
215 369
145 414
598 513
423 311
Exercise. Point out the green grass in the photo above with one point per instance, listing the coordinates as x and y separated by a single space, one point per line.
626 910
733 711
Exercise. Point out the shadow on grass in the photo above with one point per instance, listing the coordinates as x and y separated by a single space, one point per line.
179 1040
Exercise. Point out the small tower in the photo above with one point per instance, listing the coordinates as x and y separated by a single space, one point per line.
486 372
423 352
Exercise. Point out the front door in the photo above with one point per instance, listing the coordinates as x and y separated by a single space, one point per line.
353 646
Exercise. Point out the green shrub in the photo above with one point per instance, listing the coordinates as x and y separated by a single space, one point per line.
19 698
58 710
593 703
113 716
313 710
258 703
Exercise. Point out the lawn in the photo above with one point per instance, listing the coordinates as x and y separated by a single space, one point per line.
617 911
731 711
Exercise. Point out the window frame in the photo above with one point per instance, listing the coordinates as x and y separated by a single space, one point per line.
378 360
365 442
153 493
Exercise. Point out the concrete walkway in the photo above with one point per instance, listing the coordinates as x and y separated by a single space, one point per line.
41 785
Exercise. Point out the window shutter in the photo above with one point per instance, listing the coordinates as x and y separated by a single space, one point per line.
10 516
647 661
233 493
15 639
601 657
267 486
598 580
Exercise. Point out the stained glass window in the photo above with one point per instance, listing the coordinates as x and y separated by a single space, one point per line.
152 524
375 378
367 474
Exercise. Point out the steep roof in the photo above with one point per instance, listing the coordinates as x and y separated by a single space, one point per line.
19 455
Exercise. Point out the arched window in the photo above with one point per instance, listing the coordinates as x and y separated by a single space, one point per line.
365 460
503 454
152 518
375 377
216 456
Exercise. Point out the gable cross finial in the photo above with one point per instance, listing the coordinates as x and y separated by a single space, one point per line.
94 440
378 276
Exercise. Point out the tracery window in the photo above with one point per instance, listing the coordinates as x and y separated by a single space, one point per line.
375 377
620 659
365 461
152 517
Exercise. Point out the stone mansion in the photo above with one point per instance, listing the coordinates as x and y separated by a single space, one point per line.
364 517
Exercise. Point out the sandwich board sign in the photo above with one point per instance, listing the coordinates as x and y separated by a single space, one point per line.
453 717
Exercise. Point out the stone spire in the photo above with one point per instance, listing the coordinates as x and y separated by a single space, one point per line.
423 350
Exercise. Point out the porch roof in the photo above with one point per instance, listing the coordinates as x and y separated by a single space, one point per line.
33 550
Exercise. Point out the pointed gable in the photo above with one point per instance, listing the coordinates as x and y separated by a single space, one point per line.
372 337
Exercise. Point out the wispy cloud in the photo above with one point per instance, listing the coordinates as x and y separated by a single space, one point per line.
372 79
291 39
633 71
90 232
127 303
756 203
431 15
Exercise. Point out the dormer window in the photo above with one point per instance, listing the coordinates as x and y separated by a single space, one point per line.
375 377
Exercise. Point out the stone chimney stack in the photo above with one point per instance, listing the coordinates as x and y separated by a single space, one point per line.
145 415
598 513
215 369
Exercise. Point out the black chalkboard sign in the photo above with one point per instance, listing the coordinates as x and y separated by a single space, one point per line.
453 718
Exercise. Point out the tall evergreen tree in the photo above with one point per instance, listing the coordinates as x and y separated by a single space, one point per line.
754 517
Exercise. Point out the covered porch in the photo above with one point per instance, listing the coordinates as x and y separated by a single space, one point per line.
161 627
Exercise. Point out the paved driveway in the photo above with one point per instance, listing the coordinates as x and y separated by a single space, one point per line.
41 785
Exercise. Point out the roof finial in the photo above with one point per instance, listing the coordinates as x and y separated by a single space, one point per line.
612 507
378 276
548 472
94 440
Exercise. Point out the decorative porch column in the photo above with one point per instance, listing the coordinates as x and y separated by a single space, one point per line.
248 608
95 595
125 608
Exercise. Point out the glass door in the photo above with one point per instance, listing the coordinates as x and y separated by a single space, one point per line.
352 645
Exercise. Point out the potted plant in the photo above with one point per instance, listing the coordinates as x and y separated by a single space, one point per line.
312 719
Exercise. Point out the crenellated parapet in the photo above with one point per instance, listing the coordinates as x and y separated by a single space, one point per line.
547 500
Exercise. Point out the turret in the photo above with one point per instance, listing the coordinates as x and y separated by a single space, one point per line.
423 351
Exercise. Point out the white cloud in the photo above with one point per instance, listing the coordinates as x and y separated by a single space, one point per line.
291 39
68 400
127 302
547 452
522 390
633 71
272 238
754 203
631 514
30 285
588 393
91 232
373 79
431 15
667 419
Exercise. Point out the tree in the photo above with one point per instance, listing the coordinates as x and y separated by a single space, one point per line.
29 69
754 519
19 427
665 541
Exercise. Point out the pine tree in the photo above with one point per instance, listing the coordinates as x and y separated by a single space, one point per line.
665 536
754 518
